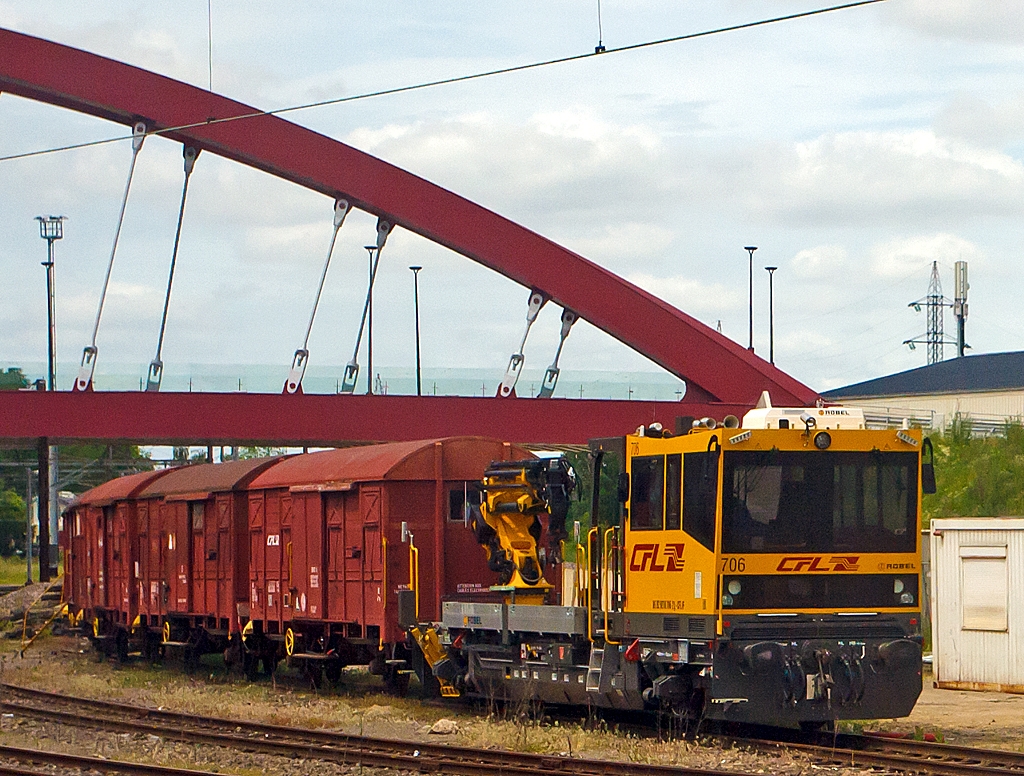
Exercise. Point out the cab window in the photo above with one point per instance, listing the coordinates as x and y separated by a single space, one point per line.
647 493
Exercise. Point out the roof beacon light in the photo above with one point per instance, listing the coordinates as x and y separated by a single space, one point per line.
735 440
903 436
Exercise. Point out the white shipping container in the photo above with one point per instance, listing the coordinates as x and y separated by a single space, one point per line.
977 603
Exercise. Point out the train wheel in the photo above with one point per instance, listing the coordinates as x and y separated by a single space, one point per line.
395 683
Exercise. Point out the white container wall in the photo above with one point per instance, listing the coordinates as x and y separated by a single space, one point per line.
977 603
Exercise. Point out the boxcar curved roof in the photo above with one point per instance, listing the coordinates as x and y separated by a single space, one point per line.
207 478
463 458
119 489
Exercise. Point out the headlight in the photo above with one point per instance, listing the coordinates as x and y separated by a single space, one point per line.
897 586
726 600
735 587
823 440
907 598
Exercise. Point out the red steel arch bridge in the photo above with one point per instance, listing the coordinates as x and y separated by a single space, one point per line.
721 376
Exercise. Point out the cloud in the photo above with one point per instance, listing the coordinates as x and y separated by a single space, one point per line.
972 119
969 20
822 261
900 257
692 296
885 178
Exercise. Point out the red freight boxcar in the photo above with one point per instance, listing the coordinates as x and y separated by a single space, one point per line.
101 546
327 558
193 555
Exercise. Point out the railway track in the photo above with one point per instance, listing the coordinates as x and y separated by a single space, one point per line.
55 763
314 744
899 755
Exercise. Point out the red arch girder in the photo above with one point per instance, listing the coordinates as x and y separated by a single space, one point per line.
714 367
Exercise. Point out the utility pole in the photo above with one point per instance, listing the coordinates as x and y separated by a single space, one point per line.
934 304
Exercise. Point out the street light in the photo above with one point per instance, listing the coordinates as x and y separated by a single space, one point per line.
50 228
416 304
771 313
750 250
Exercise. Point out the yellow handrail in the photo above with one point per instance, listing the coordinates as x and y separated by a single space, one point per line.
383 584
591 535
414 574
606 595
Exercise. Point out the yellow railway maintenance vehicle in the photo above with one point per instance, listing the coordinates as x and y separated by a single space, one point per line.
767 572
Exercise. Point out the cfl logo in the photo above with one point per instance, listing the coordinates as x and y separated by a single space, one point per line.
818 563
655 557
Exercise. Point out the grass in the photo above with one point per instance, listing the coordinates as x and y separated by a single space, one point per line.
13 570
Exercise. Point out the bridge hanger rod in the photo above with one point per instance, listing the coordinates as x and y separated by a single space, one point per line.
348 382
547 388
85 371
294 382
515 363
156 366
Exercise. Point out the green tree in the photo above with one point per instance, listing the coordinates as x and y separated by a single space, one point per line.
12 522
13 379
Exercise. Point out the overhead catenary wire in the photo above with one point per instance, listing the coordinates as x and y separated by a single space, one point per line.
456 79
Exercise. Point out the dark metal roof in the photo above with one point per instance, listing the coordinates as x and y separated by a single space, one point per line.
970 374
119 489
208 477
463 458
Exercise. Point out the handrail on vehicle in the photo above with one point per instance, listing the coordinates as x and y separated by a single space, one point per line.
606 595
383 585
414 574
591 538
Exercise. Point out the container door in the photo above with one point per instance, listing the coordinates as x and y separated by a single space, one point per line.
220 568
120 556
371 508
306 581
336 562
105 530
180 556
257 557
195 523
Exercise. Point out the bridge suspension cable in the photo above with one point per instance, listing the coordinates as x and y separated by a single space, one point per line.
85 372
293 383
348 380
156 366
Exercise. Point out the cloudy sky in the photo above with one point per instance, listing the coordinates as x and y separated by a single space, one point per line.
853 148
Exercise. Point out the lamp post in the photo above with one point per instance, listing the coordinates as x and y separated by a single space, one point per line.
750 318
771 313
369 333
416 305
51 228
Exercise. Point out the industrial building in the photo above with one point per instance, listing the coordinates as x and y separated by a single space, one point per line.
987 388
